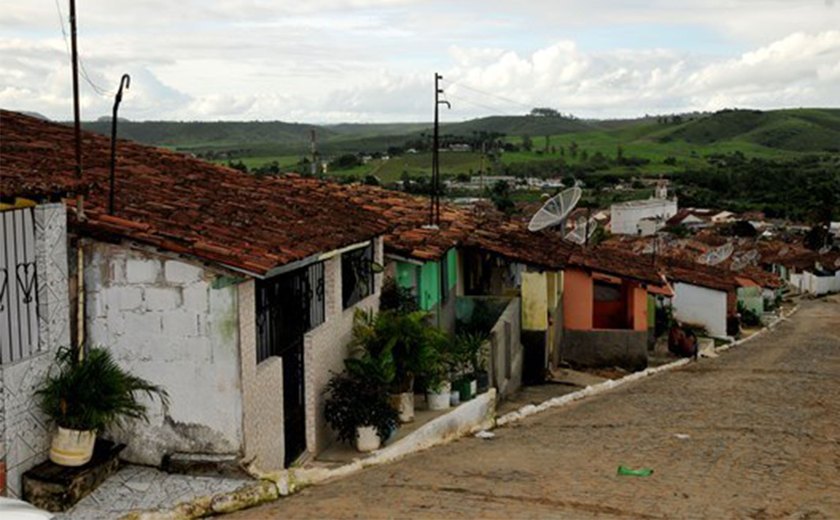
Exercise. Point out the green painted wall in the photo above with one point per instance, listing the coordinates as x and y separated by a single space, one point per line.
429 285
651 312
452 267
405 275
429 278
752 298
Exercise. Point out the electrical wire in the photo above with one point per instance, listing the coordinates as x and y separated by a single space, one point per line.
479 91
84 73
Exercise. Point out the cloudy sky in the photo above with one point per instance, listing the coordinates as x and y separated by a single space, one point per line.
374 60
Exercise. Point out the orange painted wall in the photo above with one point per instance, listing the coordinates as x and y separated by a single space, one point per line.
577 300
640 308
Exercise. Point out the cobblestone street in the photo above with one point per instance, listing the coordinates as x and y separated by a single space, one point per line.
752 434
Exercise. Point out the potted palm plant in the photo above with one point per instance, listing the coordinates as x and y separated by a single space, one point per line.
358 409
410 342
84 397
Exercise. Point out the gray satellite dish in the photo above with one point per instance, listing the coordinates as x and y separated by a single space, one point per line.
555 210
717 255
583 231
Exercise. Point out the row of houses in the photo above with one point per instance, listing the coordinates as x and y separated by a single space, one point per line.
237 293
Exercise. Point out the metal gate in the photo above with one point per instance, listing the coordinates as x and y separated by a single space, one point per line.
18 286
288 306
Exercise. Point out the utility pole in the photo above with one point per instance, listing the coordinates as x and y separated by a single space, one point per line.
76 118
313 167
434 210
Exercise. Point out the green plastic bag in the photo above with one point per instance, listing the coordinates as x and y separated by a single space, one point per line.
641 472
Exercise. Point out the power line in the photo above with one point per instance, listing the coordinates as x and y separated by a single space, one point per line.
490 94
96 88
493 110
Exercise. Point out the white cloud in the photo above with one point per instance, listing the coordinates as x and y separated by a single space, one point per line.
373 60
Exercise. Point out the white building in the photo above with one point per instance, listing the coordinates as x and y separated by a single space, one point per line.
627 217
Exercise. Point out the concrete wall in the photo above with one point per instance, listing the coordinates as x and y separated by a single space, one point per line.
694 305
24 430
325 348
504 351
164 321
819 285
625 218
605 348
534 301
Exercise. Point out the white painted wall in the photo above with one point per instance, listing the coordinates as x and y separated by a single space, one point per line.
820 285
700 306
626 216
165 322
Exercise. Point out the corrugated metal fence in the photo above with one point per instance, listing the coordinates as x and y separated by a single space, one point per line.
18 286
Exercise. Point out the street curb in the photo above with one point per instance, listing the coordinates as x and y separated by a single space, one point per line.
473 416
600 388
272 486
589 391
765 329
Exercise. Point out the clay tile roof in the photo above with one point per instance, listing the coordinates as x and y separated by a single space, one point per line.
174 202
711 277
616 262
512 240
408 235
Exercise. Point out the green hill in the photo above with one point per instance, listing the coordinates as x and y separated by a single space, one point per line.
802 130
211 134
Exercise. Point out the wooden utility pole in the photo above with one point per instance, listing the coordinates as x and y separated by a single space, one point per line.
76 118
434 210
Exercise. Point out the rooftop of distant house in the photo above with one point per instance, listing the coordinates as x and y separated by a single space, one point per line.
168 200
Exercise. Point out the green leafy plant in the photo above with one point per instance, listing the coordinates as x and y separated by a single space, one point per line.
95 392
354 401
396 298
410 340
467 358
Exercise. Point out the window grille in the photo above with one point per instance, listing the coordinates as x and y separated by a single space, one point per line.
356 275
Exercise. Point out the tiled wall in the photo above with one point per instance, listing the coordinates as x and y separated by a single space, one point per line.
262 391
325 348
24 431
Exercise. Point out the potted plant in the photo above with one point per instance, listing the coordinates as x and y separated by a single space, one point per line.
471 363
437 375
410 342
358 409
84 396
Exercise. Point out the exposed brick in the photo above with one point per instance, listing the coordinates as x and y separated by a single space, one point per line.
138 270
181 273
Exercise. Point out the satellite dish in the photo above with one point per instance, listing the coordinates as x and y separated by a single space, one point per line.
717 255
582 231
555 210
751 256
739 263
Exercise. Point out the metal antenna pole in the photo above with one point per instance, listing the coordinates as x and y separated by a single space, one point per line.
313 168
76 118
125 81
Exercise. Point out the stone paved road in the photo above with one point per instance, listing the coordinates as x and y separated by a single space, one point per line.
764 427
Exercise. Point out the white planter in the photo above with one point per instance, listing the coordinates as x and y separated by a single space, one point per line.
439 399
367 439
72 447
454 398
473 387
404 404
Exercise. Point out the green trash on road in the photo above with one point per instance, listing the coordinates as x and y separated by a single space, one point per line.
641 472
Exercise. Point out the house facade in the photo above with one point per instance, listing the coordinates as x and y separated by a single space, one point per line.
606 309
212 284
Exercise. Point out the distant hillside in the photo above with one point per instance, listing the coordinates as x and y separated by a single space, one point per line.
519 125
197 134
801 130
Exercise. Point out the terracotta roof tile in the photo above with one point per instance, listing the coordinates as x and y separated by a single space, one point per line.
172 201
619 263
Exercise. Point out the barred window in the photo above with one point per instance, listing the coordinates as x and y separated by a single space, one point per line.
356 275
